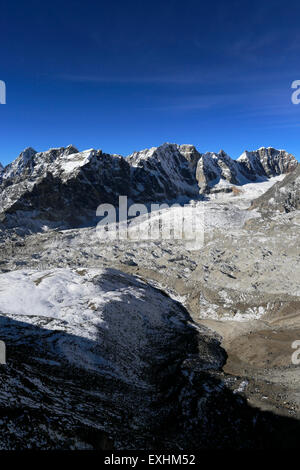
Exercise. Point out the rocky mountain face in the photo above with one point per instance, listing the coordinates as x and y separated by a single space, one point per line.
284 196
266 162
90 354
62 184
64 187
114 345
218 172
164 173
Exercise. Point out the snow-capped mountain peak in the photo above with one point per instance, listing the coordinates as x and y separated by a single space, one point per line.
267 162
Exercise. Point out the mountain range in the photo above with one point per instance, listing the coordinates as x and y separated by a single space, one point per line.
63 184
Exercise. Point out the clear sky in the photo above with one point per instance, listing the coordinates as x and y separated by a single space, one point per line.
126 75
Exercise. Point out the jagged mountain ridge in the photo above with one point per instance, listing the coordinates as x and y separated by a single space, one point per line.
64 184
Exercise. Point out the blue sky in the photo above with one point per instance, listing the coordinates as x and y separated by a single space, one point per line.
126 75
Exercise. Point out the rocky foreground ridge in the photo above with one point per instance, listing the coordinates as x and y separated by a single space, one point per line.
128 358
99 359
63 186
